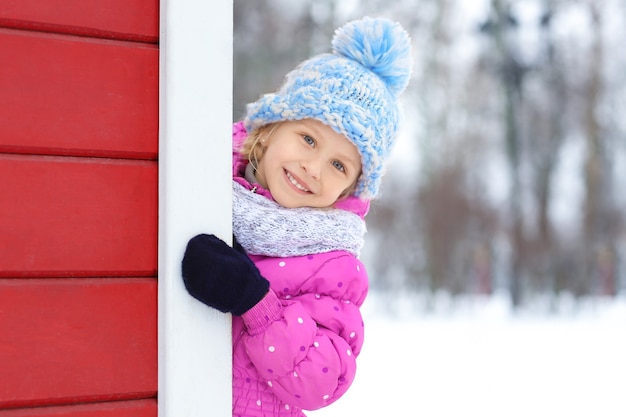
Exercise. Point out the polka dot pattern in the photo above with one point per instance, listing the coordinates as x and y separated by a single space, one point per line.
288 333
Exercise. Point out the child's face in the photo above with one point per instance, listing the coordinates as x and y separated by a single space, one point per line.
308 164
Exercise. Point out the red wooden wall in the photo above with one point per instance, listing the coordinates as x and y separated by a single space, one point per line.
78 207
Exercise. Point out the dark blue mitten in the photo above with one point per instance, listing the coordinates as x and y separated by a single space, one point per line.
221 277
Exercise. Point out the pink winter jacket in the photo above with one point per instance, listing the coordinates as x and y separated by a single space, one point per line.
296 349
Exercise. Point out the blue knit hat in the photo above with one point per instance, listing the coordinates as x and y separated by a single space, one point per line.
354 90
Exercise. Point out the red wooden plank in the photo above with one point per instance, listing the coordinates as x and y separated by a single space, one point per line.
77 340
138 408
119 19
67 95
66 216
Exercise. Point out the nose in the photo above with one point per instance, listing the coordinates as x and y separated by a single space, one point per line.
313 168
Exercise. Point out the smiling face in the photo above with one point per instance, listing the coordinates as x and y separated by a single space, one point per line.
307 164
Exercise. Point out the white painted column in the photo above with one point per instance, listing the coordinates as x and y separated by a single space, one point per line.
194 197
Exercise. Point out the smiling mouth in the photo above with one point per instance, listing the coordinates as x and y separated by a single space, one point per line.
295 183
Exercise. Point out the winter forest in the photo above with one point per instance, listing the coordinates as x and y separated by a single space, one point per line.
510 171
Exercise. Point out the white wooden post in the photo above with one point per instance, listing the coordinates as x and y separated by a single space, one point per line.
194 197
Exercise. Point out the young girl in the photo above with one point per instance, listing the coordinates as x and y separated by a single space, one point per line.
307 161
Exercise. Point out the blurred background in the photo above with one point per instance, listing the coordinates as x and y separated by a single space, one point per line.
501 225
510 174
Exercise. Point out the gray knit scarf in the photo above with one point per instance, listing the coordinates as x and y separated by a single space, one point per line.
263 227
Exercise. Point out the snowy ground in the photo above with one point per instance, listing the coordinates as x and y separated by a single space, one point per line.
480 359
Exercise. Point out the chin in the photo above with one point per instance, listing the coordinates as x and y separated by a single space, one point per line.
292 201
293 204
288 203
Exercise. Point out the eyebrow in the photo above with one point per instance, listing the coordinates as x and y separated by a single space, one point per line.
312 127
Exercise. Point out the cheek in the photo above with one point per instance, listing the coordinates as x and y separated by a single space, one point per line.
272 155
342 186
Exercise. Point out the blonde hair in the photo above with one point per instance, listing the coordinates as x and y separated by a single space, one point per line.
253 149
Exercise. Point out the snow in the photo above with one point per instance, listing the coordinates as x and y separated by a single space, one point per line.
481 359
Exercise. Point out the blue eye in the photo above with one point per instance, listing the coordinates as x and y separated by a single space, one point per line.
309 140
339 166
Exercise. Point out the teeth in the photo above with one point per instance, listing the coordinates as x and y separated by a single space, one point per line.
296 183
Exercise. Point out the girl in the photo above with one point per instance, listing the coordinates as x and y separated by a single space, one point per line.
307 161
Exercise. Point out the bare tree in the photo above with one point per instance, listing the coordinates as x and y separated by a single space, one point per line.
599 219
512 73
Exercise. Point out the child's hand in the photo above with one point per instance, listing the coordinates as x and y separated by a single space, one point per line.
221 277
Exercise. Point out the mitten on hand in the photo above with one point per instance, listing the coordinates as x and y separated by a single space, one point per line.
221 277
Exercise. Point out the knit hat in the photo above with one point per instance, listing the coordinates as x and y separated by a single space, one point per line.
354 90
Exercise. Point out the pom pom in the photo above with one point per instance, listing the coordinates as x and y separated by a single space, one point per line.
380 45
